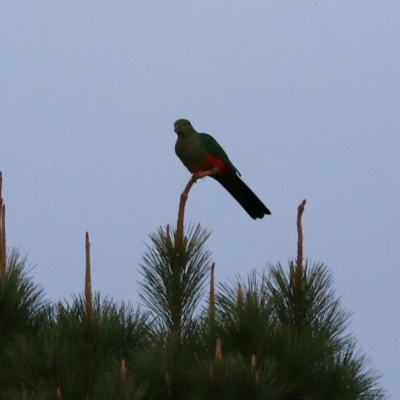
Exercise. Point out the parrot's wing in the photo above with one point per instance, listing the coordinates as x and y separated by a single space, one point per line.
214 148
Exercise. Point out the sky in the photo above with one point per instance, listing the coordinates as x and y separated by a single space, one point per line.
304 96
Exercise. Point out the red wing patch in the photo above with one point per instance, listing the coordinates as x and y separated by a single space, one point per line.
210 163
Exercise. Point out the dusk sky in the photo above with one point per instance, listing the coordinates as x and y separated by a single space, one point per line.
304 96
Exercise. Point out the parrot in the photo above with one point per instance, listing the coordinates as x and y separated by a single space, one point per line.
200 152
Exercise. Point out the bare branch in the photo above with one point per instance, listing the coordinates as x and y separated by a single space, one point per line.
88 281
2 231
300 211
182 203
212 294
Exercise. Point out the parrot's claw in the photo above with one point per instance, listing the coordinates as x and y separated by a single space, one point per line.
197 176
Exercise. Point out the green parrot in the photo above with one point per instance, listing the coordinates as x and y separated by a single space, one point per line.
200 152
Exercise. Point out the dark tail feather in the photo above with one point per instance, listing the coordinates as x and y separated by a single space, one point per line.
243 195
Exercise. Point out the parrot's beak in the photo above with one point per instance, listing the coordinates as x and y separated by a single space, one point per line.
176 128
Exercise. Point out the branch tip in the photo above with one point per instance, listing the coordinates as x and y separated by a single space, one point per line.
300 211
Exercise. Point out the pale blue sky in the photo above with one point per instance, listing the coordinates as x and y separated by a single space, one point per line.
303 95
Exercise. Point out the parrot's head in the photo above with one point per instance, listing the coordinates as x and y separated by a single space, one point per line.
182 126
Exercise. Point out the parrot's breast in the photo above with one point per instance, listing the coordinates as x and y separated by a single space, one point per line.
190 151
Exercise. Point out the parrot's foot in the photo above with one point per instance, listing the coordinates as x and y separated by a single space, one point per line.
202 174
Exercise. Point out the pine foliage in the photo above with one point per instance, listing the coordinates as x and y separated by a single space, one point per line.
277 334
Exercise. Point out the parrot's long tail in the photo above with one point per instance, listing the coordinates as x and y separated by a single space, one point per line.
243 195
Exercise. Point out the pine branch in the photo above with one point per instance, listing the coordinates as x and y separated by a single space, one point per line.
174 274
